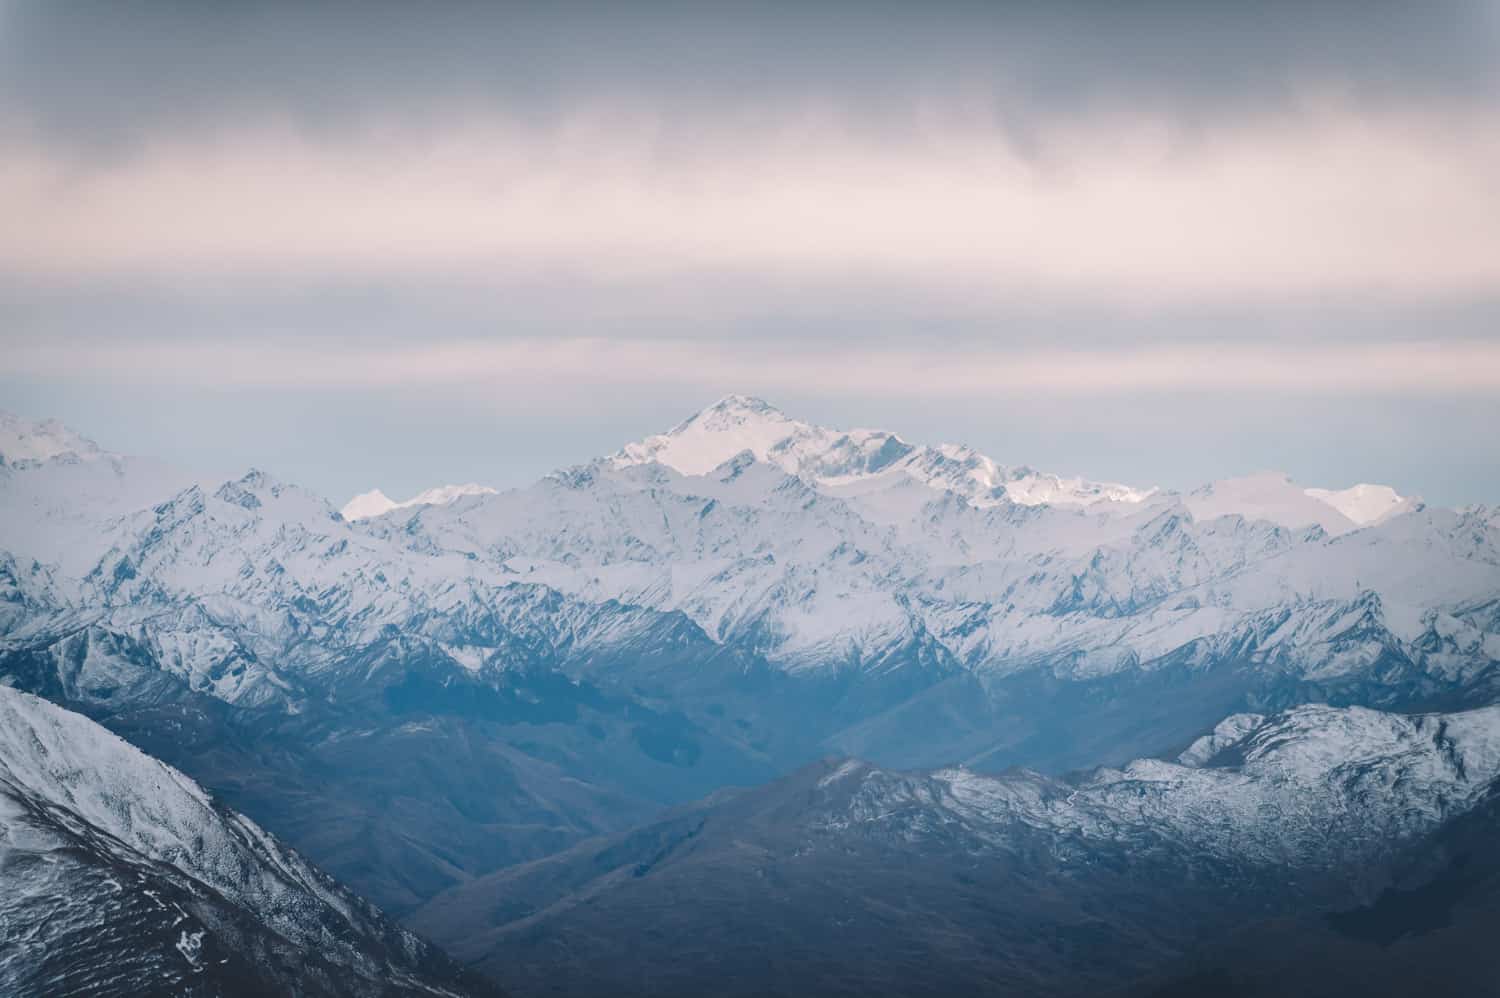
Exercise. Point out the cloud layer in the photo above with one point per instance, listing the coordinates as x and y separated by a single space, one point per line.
375 212
1330 201
532 367
94 75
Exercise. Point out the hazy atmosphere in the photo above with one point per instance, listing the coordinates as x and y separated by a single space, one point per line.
749 499
477 242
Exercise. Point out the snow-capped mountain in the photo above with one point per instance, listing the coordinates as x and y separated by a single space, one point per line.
954 882
814 550
855 459
251 590
122 876
1366 504
377 503
59 490
22 440
484 680
849 462
1345 783
821 548
912 616
1271 496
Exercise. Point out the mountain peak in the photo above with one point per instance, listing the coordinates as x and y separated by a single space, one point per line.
840 459
1364 503
376 503
1275 496
743 404
735 411
367 504
699 444
1267 495
24 439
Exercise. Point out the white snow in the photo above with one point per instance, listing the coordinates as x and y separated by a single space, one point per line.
845 770
734 424
1268 495
59 490
374 503
1036 488
852 558
26 440
841 459
366 505
1232 729
1363 503
1313 785
190 945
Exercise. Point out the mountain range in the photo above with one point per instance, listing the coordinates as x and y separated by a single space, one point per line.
447 703
876 882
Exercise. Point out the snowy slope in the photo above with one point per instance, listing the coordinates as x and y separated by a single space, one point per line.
840 459
22 440
1340 783
753 555
253 590
59 491
1366 504
121 875
377 503
1269 495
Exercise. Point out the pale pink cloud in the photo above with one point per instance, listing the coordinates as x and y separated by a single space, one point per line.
528 366
1331 200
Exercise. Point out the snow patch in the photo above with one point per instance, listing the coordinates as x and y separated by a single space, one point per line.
27 440
190 945
1365 504
846 770
368 505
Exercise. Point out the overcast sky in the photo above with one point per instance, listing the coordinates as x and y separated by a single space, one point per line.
363 245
